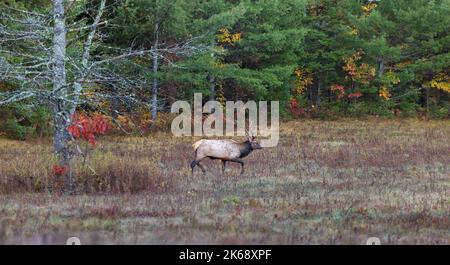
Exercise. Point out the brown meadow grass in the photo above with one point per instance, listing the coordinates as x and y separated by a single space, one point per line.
327 182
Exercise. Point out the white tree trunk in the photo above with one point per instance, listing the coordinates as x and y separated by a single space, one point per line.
60 114
154 104
59 76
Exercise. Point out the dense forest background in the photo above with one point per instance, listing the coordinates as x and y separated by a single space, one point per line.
320 58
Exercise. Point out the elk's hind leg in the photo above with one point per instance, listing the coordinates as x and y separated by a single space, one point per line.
197 163
201 167
193 164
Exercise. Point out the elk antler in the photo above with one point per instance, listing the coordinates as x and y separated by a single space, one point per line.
248 131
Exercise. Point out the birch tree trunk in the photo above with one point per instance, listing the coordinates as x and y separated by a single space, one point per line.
154 104
60 114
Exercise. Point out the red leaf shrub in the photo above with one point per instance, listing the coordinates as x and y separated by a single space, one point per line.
340 89
87 127
60 170
293 104
294 108
354 95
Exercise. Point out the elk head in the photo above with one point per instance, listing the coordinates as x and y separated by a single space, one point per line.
252 139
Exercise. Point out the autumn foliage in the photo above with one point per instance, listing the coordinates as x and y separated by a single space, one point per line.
87 127
225 37
339 89
295 109
60 170
354 95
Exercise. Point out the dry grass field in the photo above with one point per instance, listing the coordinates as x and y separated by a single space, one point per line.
333 182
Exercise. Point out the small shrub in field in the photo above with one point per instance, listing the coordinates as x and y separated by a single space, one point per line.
87 128
60 170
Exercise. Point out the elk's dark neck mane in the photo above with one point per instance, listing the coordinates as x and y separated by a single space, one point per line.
245 148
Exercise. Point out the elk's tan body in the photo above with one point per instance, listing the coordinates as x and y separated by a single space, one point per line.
220 149
225 150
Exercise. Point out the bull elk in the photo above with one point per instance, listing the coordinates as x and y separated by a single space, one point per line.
225 150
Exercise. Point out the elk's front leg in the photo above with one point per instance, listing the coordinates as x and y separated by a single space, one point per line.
223 166
237 160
